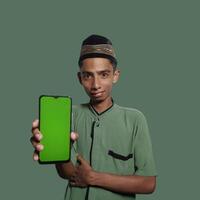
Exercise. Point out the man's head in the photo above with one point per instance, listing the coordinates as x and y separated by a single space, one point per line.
98 64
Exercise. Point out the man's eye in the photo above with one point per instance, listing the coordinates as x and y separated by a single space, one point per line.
86 76
104 75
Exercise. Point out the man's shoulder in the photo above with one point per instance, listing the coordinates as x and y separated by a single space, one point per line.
130 111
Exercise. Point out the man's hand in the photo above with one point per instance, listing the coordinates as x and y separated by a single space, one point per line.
37 136
35 139
84 176
83 173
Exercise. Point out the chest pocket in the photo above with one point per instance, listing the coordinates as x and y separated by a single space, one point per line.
123 164
120 156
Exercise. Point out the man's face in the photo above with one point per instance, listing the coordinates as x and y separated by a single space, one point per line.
97 77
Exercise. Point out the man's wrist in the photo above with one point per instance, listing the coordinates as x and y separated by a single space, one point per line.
93 178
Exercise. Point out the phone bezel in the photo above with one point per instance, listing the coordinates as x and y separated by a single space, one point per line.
56 96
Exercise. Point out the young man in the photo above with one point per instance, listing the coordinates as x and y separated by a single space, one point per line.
115 159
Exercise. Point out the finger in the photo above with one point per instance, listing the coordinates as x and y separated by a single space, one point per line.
37 134
74 136
72 178
36 144
35 123
35 131
33 142
35 156
38 147
72 183
81 160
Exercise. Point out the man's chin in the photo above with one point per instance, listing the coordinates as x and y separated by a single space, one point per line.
97 99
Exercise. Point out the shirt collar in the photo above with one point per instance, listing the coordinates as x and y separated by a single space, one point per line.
103 112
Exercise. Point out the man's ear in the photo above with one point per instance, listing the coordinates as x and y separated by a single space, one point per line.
116 75
79 77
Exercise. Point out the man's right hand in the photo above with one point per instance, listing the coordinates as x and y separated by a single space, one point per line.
35 139
37 136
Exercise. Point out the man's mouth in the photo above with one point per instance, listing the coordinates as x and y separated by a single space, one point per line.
96 94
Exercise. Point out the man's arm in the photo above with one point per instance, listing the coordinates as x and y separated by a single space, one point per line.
67 170
124 184
130 184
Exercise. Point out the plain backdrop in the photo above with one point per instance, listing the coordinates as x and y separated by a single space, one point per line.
157 46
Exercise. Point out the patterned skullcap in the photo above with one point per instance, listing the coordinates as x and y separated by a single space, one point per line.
97 46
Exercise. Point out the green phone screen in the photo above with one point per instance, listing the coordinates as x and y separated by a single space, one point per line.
55 126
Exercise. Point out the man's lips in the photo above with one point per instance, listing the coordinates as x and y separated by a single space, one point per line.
96 94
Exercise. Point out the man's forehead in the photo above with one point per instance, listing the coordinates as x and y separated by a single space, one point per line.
96 69
96 72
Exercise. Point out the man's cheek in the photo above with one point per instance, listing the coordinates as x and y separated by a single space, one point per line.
108 86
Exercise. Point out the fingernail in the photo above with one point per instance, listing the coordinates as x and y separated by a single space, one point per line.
35 157
40 147
38 136
73 136
35 122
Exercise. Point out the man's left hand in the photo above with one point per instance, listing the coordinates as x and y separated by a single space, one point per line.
83 173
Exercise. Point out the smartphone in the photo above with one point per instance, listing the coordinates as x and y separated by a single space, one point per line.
55 126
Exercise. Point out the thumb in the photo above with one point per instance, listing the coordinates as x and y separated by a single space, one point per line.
81 160
74 136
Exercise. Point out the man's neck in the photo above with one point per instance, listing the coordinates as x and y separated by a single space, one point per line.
103 105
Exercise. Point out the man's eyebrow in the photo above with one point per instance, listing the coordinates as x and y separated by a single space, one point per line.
86 72
103 71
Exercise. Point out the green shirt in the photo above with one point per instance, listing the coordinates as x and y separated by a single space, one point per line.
116 141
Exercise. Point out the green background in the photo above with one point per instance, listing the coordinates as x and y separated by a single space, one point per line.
157 45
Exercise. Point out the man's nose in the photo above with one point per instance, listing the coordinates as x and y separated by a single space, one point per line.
96 83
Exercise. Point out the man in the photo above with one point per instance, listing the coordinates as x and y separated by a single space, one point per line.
115 159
